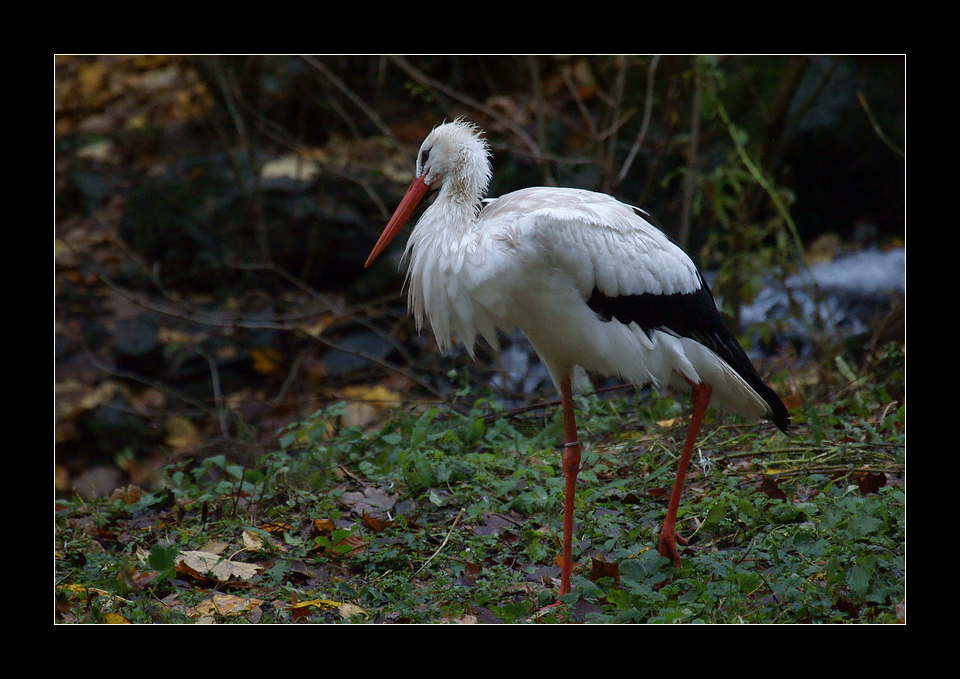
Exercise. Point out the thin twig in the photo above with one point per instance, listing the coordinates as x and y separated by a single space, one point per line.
217 392
645 124
252 175
876 126
442 545
692 175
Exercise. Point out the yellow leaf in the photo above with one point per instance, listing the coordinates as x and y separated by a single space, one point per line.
375 394
181 433
365 403
103 393
316 329
322 604
116 619
265 360
83 591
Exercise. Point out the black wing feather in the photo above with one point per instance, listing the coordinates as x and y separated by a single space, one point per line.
693 315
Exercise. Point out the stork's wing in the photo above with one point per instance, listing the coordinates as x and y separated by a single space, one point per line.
600 242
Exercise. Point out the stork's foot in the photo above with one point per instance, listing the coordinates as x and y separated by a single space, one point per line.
669 537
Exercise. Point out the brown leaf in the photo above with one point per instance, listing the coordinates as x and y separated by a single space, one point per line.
471 571
657 493
322 526
870 483
358 544
770 488
374 523
601 568
128 495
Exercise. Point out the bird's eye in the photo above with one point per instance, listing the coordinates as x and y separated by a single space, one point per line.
424 157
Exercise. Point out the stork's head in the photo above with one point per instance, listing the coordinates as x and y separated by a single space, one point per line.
455 154
453 158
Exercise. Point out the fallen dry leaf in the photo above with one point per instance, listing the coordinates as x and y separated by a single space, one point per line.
213 565
116 619
251 540
214 547
374 523
870 483
348 611
370 500
365 403
464 620
128 495
226 604
321 526
601 568
357 544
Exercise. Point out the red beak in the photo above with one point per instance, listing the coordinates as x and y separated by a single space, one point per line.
418 189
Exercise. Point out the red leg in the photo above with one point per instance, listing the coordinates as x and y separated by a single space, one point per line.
668 534
571 467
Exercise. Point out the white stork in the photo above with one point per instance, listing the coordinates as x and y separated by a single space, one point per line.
591 284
